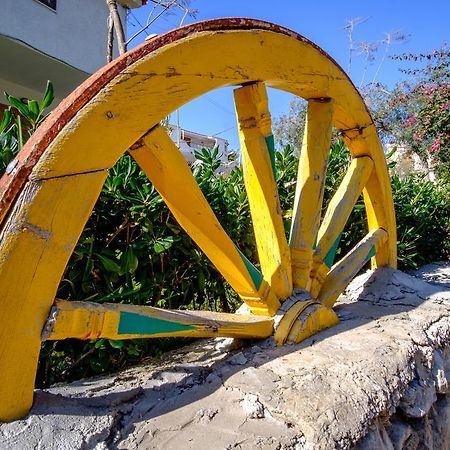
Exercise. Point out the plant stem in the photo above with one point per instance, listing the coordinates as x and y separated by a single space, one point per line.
114 13
109 53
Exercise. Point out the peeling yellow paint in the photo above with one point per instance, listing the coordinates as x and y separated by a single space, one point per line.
254 126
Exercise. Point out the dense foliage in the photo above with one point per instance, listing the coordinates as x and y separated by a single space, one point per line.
423 220
416 112
133 251
19 122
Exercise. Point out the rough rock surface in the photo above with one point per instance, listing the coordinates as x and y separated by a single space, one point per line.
436 273
378 380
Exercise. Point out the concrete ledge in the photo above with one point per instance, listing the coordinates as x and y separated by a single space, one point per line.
378 380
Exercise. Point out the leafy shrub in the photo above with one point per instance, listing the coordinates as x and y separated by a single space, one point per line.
19 122
133 251
423 220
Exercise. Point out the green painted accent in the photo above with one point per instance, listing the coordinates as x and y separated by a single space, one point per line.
252 270
132 323
329 258
271 147
371 253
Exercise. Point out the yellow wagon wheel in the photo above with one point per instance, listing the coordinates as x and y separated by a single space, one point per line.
49 190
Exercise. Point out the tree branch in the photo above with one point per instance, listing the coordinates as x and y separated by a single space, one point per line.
114 13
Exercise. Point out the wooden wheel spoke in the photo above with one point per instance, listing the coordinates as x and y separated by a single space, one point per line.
258 162
86 320
347 268
338 212
310 188
165 166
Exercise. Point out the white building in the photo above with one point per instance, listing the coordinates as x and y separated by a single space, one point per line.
408 163
59 40
189 141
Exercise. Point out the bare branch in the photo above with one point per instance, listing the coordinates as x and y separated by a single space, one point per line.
114 13
161 7
109 51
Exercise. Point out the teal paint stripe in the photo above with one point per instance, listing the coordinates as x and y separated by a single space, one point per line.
371 253
329 258
252 270
270 142
132 323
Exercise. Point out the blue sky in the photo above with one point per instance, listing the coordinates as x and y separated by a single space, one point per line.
323 22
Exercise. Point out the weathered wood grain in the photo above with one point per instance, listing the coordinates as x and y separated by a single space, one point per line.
48 191
35 245
377 192
310 188
347 268
314 318
258 168
336 216
85 320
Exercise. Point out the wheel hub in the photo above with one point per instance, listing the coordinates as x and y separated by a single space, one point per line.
299 317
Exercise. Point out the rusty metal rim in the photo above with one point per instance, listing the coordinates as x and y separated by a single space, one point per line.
20 168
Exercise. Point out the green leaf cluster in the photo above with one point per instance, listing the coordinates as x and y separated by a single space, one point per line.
19 122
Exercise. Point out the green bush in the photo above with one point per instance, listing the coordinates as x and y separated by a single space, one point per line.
423 220
19 122
133 251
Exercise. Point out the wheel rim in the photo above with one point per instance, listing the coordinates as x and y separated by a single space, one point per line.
50 189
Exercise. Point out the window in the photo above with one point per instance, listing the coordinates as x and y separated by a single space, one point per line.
50 3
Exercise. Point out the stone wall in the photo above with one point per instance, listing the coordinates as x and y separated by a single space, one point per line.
378 380
422 417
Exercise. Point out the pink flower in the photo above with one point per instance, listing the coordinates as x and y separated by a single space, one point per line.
436 145
410 121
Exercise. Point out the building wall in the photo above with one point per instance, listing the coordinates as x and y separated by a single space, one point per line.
189 141
76 33
408 162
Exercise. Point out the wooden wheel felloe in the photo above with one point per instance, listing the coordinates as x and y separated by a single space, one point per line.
50 189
